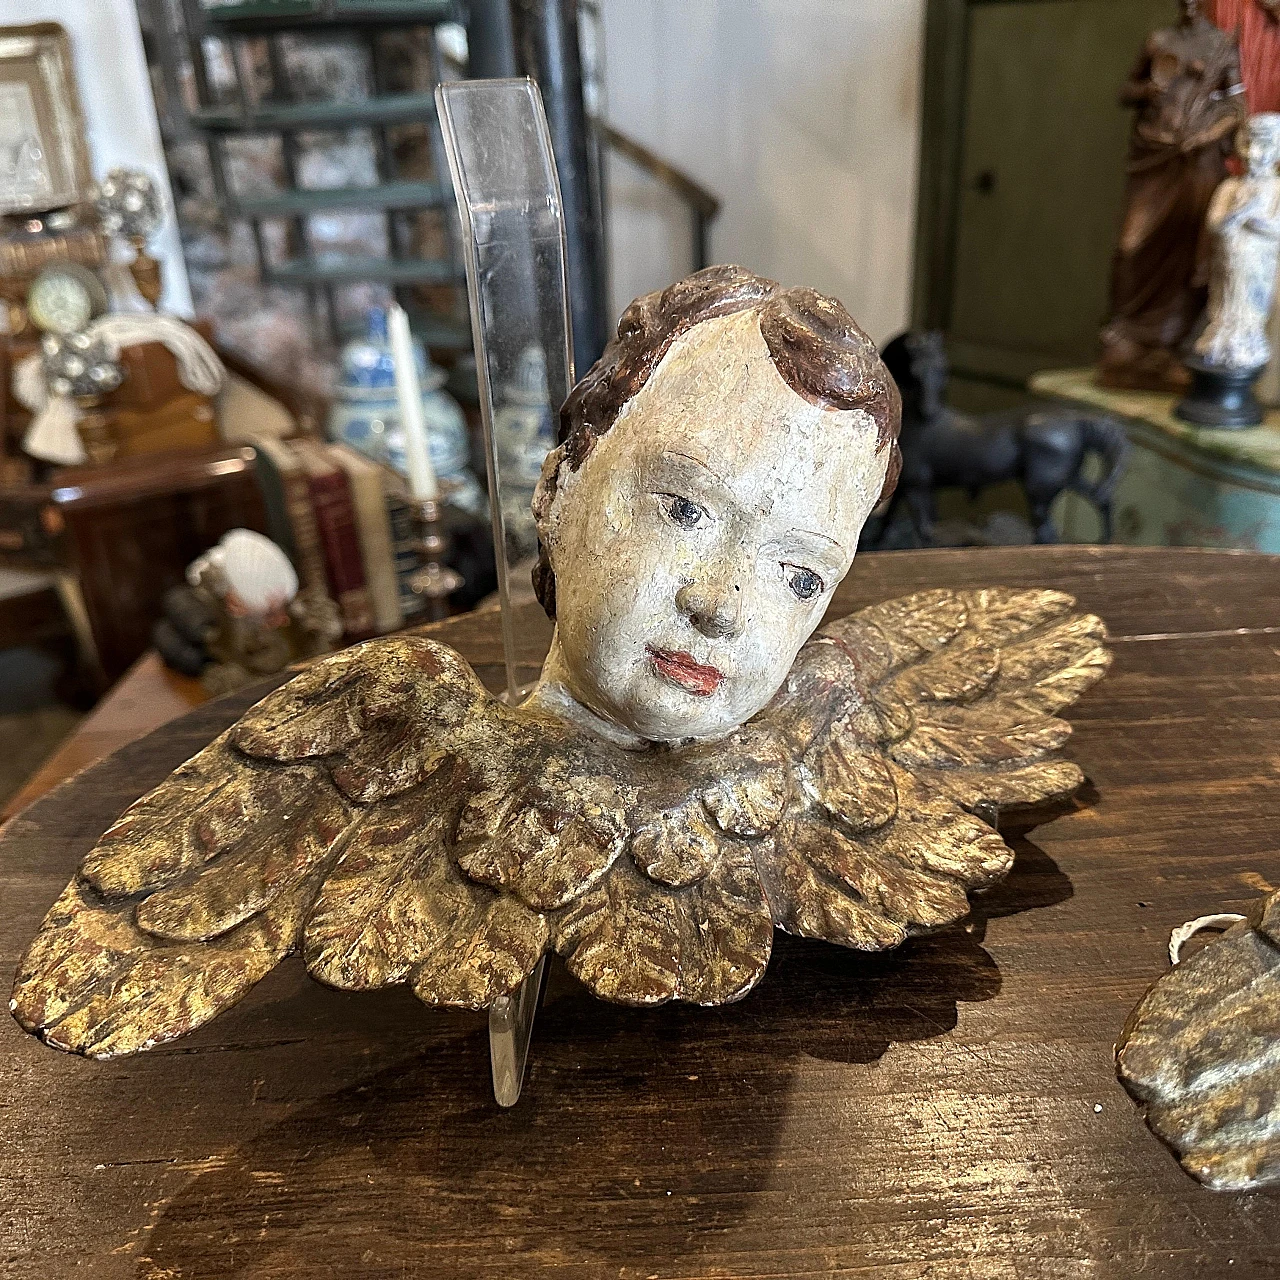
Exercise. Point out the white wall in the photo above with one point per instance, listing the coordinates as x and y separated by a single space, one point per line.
801 115
120 115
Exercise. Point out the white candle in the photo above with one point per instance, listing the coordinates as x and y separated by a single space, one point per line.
422 476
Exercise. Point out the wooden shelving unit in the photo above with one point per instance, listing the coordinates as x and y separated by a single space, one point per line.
278 111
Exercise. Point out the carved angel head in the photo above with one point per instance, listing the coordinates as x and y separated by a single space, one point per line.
715 468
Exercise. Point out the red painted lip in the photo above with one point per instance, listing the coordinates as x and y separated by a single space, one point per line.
683 670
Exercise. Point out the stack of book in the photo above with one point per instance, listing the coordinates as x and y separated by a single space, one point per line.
347 525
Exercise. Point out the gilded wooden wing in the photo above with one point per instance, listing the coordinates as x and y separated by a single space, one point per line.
386 815
913 723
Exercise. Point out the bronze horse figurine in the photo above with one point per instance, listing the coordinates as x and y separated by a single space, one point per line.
1044 448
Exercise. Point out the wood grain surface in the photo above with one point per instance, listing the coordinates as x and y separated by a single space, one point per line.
949 1109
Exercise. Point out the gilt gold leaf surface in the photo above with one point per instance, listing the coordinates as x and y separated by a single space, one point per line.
299 816
387 814
145 847
1201 1055
676 849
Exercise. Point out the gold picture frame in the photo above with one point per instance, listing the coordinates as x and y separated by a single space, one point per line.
44 159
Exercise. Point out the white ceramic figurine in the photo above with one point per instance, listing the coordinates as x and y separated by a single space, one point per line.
1244 221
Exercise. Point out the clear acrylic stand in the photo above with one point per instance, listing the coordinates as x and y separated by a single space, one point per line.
508 193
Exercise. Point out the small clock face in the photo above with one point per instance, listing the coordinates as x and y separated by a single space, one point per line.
62 300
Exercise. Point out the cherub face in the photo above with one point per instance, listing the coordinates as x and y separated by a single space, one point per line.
697 547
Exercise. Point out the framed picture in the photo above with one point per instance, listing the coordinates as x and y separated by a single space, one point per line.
44 160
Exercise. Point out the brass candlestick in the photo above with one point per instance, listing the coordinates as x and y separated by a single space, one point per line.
434 581
146 271
95 431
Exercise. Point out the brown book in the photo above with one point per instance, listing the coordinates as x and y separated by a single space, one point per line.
368 496
339 539
281 463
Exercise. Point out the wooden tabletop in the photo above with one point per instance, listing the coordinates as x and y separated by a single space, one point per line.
949 1109
148 695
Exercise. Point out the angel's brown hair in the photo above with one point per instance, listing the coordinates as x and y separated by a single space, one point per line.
816 346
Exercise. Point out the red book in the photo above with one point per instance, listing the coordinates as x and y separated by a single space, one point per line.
339 538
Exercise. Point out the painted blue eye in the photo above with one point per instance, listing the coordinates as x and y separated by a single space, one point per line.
804 582
680 511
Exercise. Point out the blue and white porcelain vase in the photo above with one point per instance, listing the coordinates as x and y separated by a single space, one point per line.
366 415
524 428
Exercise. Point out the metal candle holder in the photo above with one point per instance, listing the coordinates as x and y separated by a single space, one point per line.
434 581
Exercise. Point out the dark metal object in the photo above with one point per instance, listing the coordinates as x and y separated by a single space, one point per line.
1198 1053
1220 397
491 49
1045 450
546 47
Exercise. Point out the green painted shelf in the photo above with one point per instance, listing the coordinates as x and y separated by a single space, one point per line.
397 108
391 195
432 330
249 17
345 270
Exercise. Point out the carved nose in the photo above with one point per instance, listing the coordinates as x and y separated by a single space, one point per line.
717 614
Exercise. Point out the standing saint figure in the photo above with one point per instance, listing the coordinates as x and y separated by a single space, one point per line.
1257 23
1187 89
1244 224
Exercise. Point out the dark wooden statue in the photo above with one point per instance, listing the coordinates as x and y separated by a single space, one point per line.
1044 449
695 767
1187 92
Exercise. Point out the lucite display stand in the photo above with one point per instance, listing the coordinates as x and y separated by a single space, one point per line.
508 193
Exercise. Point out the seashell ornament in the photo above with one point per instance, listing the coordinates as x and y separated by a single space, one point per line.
254 573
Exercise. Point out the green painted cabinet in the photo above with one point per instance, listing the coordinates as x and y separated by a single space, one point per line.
1184 486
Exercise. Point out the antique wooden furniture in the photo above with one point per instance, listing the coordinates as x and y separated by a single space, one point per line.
951 1108
1184 485
120 536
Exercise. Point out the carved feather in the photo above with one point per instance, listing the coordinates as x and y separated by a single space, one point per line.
635 942
677 848
852 780
382 808
951 713
396 908
93 983
292 819
810 904
169 830
548 840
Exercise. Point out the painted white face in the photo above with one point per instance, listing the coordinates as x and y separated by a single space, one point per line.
697 547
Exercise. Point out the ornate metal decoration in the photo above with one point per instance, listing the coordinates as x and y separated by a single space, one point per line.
1199 1055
